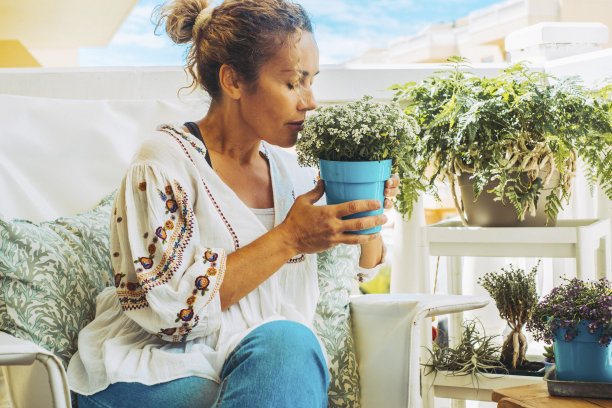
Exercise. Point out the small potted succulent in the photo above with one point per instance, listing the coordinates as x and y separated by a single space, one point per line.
549 356
514 292
356 147
577 317
513 140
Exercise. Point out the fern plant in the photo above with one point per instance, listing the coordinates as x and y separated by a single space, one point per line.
518 129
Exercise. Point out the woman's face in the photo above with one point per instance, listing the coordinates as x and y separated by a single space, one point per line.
276 107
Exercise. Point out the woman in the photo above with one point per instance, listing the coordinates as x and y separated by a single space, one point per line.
215 231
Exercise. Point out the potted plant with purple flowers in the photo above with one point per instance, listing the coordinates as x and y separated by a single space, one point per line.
577 317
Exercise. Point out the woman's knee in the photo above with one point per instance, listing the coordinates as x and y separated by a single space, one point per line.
284 336
292 344
285 345
278 364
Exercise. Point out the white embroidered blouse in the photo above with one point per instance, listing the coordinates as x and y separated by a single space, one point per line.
174 223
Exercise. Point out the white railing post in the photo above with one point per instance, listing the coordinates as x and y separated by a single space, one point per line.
410 259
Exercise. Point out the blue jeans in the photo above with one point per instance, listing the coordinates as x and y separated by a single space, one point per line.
279 364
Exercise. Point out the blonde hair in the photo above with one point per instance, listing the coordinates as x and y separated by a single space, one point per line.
244 34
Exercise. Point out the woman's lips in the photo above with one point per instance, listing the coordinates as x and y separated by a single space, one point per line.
296 125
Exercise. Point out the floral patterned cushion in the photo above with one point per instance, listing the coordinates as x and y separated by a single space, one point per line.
332 323
50 274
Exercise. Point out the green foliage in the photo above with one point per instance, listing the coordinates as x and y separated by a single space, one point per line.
475 353
514 292
549 353
508 128
515 295
360 131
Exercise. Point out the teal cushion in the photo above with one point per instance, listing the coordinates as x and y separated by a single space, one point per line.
337 269
50 274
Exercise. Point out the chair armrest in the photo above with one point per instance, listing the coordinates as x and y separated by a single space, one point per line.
19 352
15 351
387 337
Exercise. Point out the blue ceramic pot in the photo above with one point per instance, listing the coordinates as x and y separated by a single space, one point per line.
355 180
582 359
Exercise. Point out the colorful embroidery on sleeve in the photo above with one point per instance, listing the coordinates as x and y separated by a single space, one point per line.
187 315
158 267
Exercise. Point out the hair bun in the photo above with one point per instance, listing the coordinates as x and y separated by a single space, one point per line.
180 18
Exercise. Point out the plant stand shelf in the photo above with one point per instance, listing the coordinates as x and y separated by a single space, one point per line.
580 239
586 240
479 387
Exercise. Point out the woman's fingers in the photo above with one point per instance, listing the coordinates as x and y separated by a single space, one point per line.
391 190
358 224
392 186
357 206
309 228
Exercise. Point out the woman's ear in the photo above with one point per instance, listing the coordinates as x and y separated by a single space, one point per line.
230 85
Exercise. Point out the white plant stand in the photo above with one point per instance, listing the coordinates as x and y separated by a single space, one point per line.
586 240
479 387
580 239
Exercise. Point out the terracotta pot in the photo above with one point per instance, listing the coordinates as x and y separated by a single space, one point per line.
486 212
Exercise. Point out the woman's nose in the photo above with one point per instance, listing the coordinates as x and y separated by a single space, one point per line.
307 101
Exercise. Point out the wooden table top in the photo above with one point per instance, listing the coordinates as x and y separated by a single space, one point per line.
536 396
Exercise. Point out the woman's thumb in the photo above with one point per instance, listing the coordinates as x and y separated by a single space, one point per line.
316 193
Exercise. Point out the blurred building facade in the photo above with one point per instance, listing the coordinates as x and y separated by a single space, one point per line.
480 36
36 33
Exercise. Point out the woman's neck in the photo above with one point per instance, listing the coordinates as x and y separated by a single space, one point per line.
235 157
225 135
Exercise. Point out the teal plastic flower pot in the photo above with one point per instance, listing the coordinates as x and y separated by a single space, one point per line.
583 358
355 180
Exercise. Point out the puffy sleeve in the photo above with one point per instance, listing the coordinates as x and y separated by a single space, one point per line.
167 281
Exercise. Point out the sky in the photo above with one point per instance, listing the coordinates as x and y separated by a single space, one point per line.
343 28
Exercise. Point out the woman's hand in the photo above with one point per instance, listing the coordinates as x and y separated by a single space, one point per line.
391 190
309 228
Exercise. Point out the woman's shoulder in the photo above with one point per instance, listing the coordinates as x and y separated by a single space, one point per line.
166 144
168 152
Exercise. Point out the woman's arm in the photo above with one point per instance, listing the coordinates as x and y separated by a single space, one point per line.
306 229
166 280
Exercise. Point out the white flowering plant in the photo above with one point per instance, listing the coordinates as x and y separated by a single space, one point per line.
365 130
